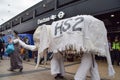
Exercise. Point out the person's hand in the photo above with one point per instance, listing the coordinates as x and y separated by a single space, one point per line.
1 50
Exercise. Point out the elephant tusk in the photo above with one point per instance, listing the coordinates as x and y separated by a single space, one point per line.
38 61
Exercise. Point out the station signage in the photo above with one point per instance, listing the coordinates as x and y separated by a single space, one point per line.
60 15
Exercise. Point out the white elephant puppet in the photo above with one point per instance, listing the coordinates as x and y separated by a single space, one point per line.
85 33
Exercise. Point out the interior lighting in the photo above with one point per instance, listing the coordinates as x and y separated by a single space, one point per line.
112 15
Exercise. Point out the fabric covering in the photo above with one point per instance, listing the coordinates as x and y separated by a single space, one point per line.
84 32
81 32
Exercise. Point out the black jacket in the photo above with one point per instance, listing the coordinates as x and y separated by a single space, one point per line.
1 44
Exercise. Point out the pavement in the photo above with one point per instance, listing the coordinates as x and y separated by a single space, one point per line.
43 71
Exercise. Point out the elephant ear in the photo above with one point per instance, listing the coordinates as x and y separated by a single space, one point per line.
44 38
36 36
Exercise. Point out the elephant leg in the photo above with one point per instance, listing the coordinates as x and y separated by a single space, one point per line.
38 61
86 63
94 71
57 65
45 57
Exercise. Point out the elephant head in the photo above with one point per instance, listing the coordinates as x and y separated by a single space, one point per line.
41 41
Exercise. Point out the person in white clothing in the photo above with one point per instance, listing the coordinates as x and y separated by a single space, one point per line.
88 63
57 66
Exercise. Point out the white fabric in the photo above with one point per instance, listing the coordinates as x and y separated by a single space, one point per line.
96 35
94 71
92 37
29 47
86 38
57 65
41 38
85 66
26 46
95 38
15 40
83 31
44 37
66 38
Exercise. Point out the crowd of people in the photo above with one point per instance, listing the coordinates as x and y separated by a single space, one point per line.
19 53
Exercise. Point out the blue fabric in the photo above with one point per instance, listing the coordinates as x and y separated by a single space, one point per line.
10 49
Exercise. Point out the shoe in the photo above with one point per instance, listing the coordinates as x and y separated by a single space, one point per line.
28 60
10 70
59 77
20 69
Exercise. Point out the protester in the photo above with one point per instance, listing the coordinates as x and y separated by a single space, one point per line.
15 58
